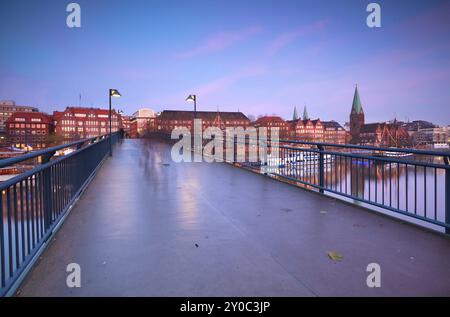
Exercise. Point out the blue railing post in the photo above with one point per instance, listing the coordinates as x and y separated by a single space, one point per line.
47 191
447 194
321 169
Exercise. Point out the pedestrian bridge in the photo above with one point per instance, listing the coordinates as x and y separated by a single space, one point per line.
146 226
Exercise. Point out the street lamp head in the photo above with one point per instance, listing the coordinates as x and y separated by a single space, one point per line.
114 93
191 98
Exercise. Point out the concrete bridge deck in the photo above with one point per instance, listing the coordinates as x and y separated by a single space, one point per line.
147 226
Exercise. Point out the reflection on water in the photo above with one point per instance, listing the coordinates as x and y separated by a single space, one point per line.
409 188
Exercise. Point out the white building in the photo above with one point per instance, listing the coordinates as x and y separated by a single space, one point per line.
145 119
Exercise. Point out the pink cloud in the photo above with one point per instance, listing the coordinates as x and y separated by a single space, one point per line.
226 81
287 38
220 41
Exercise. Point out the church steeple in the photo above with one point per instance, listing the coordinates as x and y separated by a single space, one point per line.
295 115
356 118
305 114
357 106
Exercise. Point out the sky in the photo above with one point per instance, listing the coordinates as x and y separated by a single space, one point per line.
256 56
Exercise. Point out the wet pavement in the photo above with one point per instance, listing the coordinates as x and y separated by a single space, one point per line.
147 226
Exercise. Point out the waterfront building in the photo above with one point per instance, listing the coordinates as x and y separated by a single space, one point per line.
171 119
29 130
78 123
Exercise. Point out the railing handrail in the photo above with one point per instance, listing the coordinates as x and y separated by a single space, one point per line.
370 157
374 148
20 177
360 147
14 160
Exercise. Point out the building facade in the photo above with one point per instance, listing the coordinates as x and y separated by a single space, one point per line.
384 135
357 118
29 130
7 108
126 125
306 130
379 134
270 122
171 119
144 122
79 123
334 133
432 137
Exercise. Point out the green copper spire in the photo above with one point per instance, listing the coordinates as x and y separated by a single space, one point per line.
295 115
305 114
357 107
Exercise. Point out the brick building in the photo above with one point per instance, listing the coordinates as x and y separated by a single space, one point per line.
29 130
334 133
306 130
382 134
274 122
357 118
170 119
126 124
79 123
7 108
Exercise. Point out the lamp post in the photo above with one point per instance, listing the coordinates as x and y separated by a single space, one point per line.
194 99
112 93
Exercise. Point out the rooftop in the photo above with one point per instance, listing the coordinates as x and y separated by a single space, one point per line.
205 115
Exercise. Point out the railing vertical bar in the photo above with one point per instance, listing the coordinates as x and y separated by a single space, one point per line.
22 220
398 185
2 245
382 184
32 210
16 227
425 191
407 186
447 194
435 194
10 246
28 215
369 179
415 189
390 185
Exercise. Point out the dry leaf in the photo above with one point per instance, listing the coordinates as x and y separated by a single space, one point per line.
335 256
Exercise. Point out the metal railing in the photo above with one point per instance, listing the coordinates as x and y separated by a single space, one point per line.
413 183
32 204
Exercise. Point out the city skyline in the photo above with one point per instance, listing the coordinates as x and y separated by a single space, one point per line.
257 59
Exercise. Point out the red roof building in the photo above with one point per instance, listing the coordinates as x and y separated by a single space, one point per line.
80 123
307 130
171 119
334 133
384 135
29 129
273 122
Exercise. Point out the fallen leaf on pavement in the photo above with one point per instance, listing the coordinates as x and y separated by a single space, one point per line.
335 256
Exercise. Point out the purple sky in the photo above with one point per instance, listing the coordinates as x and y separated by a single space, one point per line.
258 56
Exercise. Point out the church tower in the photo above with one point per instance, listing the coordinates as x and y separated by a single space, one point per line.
356 118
